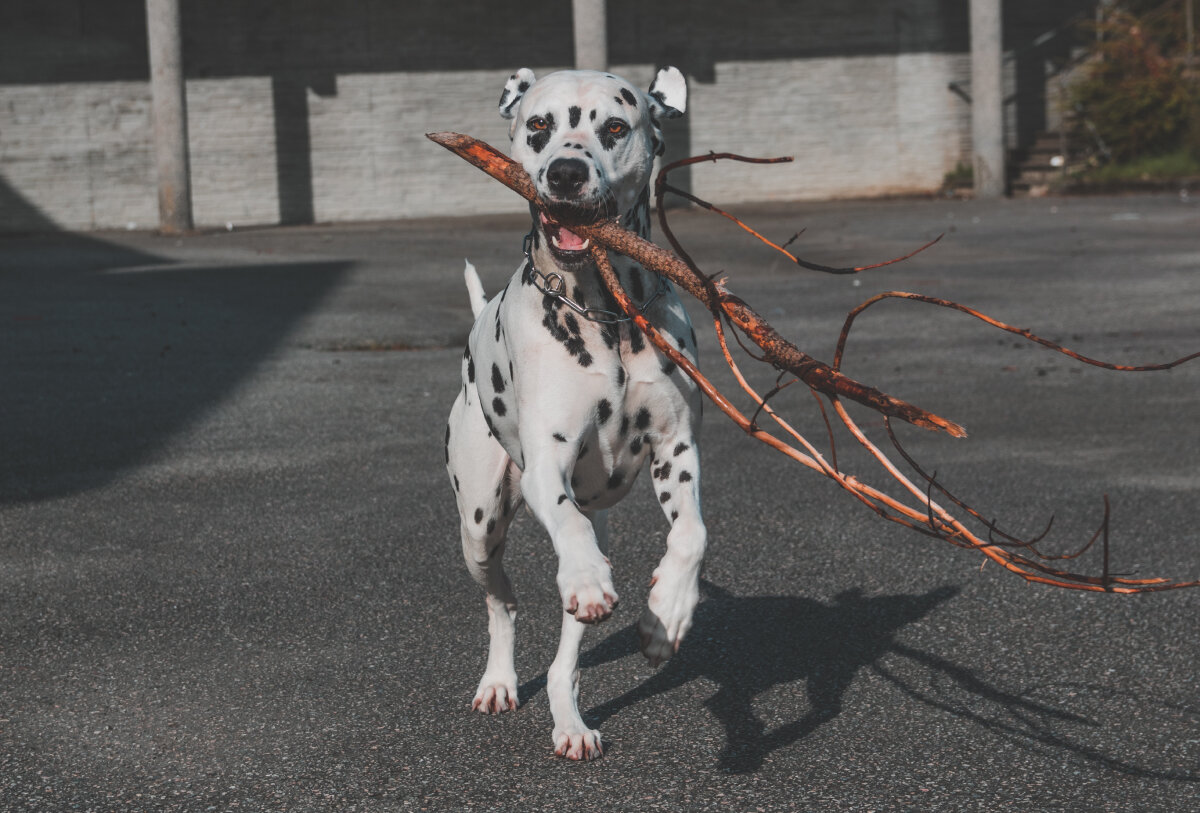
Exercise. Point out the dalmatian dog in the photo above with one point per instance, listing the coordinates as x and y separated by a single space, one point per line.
563 400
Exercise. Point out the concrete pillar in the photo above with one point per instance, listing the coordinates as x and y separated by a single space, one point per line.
591 34
987 98
169 113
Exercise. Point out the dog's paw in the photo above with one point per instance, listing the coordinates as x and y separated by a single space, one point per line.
668 615
588 592
495 696
578 743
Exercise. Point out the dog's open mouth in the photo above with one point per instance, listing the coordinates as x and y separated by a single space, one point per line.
563 241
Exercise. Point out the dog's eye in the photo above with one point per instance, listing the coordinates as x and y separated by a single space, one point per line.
537 123
615 127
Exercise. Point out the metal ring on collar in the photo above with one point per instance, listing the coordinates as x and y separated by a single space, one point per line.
552 285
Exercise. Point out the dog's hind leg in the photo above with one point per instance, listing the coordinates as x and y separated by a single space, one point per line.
486 485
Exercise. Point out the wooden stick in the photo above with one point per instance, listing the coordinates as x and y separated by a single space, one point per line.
926 516
778 351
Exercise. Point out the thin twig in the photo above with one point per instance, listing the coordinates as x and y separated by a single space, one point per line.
924 515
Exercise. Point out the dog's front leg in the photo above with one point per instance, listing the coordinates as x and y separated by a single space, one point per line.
584 575
588 597
572 738
675 587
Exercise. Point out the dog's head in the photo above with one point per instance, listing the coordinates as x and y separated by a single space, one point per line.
588 140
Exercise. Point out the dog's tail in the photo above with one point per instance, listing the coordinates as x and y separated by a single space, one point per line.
474 289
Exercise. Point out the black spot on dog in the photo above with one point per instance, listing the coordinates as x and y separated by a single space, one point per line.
456 483
538 139
574 114
674 516
478 515
620 376
680 449
668 367
497 380
685 476
624 425
571 340
470 368
447 443
636 446
521 88
491 526
608 139
663 497
559 437
629 97
616 479
562 498
498 407
663 472
609 333
603 411
636 342
643 418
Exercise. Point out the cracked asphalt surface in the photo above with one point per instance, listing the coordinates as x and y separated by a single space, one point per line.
230 576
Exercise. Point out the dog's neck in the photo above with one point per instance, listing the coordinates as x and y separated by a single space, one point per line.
582 283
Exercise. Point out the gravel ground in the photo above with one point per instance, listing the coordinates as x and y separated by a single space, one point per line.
230 576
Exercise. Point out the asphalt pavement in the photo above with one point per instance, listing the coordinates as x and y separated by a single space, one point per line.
230 576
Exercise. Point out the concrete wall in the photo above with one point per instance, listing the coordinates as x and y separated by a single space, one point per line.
317 111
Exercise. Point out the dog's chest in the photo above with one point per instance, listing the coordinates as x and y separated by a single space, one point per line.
545 374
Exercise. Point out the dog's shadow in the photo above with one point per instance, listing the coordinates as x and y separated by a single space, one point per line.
749 645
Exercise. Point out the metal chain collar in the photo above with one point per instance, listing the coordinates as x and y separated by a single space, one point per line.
552 285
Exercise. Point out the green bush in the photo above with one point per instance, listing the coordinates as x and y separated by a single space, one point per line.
1138 93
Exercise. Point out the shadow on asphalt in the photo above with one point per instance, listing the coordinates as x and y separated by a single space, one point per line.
108 352
749 646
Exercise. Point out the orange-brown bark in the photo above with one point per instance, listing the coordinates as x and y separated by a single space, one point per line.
778 351
922 513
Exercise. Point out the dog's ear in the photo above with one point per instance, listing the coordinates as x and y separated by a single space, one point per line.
668 93
514 89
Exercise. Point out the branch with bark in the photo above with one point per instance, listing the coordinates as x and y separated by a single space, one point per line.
917 510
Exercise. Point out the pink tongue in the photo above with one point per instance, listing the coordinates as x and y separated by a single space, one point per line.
569 240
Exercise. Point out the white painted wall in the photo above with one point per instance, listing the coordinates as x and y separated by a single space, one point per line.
78 155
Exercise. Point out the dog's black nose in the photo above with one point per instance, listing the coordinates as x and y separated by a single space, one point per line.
566 176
